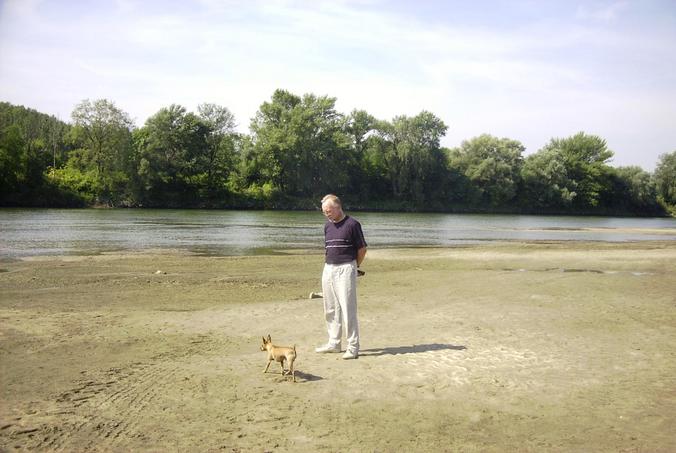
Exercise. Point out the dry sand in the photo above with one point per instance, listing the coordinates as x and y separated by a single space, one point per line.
498 347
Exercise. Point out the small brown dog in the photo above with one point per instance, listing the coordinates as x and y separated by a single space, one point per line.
279 354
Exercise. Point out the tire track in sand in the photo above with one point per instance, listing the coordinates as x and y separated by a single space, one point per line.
103 411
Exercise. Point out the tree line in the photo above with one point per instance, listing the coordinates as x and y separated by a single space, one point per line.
301 147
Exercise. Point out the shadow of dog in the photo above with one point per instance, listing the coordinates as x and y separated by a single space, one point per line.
307 377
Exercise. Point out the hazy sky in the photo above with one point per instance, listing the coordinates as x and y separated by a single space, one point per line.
524 69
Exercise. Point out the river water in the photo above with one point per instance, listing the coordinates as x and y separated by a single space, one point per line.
29 232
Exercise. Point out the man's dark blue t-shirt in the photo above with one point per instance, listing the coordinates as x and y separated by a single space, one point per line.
342 240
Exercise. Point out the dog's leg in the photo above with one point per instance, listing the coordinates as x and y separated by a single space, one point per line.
281 364
291 371
267 366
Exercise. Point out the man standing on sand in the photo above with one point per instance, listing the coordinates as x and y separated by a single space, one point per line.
345 249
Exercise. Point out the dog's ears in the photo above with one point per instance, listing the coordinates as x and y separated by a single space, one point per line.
269 338
264 340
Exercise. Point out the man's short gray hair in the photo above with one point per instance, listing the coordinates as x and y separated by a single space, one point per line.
333 199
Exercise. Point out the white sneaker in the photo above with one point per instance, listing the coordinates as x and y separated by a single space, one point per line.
350 355
327 348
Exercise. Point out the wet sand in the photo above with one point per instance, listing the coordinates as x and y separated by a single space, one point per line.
495 347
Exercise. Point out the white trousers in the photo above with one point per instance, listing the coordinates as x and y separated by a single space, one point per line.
339 284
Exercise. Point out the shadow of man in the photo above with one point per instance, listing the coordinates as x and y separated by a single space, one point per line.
414 349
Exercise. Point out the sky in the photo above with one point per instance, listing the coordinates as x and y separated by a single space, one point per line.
529 70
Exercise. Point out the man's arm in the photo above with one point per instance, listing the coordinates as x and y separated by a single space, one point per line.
361 253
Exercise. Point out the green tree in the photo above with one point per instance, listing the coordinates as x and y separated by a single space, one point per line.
299 146
368 172
417 144
409 152
169 149
585 159
45 144
219 158
493 167
12 161
665 178
545 181
358 125
104 132
634 189
274 142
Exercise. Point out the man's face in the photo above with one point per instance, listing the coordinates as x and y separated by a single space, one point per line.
332 212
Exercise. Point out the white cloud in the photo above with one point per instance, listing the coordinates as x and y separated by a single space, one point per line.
603 12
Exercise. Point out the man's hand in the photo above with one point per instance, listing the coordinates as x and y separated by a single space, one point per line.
361 254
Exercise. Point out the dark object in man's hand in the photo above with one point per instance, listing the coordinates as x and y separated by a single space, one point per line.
360 273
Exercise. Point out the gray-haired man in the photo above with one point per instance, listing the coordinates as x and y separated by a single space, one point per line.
345 249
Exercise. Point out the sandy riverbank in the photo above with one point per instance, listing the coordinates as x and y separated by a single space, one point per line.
498 347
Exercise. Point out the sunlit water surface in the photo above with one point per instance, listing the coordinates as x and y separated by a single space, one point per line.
27 232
